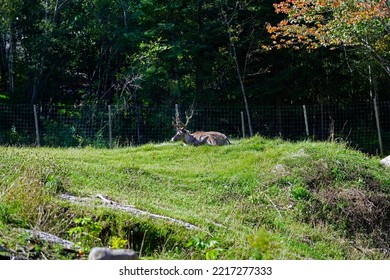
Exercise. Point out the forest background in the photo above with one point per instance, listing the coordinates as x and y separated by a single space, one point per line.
165 52
146 54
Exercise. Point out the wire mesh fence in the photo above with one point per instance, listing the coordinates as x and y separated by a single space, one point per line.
364 126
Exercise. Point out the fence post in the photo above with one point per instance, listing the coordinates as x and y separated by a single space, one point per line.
176 109
322 122
36 126
306 122
109 126
378 126
243 124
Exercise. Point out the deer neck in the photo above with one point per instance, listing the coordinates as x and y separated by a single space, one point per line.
190 139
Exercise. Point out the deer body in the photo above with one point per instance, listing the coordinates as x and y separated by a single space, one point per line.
212 138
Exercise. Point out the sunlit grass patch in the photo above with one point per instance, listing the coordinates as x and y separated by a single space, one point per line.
259 198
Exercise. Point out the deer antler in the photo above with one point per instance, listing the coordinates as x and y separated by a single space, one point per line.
188 117
177 124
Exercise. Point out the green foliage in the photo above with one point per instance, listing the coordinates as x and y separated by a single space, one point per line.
300 193
262 245
27 188
210 249
9 214
85 232
59 135
53 184
118 243
156 52
16 137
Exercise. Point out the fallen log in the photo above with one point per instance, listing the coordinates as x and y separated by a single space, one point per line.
50 238
126 208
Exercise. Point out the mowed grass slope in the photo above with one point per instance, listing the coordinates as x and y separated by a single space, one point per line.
257 198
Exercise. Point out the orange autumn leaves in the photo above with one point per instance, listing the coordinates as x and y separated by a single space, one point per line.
315 23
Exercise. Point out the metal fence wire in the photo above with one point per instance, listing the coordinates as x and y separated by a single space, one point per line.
364 126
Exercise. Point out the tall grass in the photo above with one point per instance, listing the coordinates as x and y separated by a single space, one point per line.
257 198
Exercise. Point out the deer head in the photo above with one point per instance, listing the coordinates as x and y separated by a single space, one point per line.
181 128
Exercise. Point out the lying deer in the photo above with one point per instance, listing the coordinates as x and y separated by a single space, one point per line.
197 138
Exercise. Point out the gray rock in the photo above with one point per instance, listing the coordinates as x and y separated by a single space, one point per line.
386 161
101 253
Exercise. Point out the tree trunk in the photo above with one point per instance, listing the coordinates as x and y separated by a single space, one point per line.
198 61
240 75
11 61
3 63
241 81
242 86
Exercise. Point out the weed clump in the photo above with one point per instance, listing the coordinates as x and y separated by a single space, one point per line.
354 211
25 198
341 189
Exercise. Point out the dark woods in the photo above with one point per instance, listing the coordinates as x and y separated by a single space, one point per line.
143 53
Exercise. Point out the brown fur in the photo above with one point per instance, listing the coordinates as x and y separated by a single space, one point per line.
212 138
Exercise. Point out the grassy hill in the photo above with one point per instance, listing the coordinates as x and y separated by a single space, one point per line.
257 198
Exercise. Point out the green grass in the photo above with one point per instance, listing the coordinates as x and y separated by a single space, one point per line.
257 198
